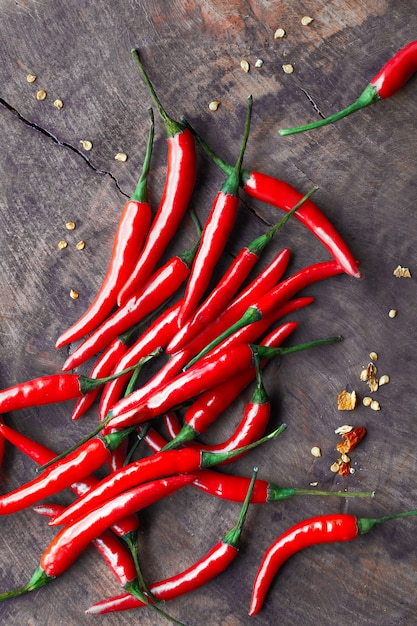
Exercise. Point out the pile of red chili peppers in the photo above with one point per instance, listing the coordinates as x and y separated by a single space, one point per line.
211 343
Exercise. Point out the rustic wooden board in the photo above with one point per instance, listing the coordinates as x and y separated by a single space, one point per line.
366 171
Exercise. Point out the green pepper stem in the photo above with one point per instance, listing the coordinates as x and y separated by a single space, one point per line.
277 493
141 192
187 433
225 167
367 97
365 524
232 537
172 127
133 588
265 352
231 184
39 579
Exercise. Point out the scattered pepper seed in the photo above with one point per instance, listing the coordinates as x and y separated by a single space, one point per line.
375 406
384 380
80 245
306 20
259 63
402 272
62 244
41 94
367 401
288 68
58 103
373 356
334 467
392 313
342 430
87 145
74 294
214 105
121 156
31 78
315 451
279 33
70 225
245 66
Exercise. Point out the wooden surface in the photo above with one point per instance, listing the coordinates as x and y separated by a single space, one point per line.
366 169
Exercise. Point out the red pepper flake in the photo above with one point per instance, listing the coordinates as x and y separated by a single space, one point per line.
351 439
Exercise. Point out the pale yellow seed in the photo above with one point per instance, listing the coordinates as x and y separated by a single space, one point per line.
288 68
245 66
214 105
335 467
41 94
80 245
70 225
342 430
306 20
121 156
87 145
315 451
402 272
74 294
314 484
373 356
279 33
384 380
259 63
392 313
62 244
364 375
58 103
375 406
31 78
367 401
345 458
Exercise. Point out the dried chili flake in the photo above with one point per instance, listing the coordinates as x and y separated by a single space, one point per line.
351 439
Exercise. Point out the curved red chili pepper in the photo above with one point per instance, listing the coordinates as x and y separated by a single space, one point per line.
215 235
157 335
393 75
130 235
316 530
70 542
209 405
179 184
261 284
283 196
217 559
39 453
114 552
161 286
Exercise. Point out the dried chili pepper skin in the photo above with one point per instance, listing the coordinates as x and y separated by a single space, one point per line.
131 231
316 530
392 76
61 474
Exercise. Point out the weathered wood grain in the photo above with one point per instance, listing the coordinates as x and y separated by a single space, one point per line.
366 171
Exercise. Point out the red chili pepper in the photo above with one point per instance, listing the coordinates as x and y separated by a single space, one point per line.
160 287
219 298
393 75
70 542
63 473
39 453
209 405
179 184
149 468
50 389
115 553
316 530
205 569
215 235
130 234
283 196
157 335
265 305
261 284
205 374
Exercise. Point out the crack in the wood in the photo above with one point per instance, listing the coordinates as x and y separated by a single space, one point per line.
310 99
64 144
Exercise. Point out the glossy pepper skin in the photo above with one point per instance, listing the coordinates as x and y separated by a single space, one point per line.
179 185
215 235
315 530
130 234
391 77
210 565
